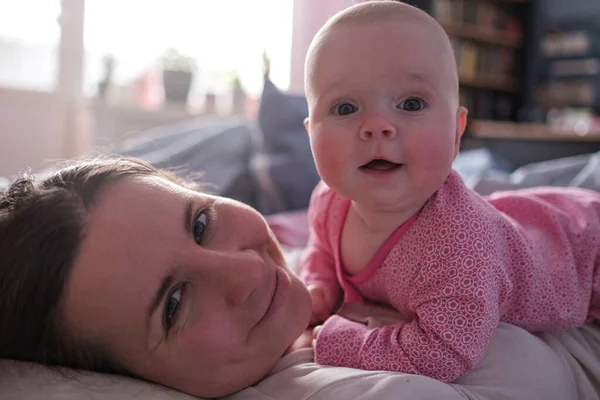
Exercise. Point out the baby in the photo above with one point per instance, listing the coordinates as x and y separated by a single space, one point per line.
392 223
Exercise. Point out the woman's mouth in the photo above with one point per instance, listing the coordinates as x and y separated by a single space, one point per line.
271 298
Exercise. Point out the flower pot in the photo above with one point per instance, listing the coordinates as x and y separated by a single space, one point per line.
176 84
238 106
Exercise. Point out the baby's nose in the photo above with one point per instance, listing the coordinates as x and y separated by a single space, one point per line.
377 127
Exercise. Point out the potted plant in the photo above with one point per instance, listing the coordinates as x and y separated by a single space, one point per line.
178 73
266 65
239 95
108 67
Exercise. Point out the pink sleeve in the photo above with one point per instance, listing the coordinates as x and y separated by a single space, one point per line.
318 264
456 316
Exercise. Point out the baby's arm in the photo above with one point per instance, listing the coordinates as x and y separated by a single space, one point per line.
448 336
318 265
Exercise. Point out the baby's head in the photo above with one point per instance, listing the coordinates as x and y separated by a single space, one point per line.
384 120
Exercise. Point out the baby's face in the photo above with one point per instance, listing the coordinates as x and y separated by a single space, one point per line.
384 121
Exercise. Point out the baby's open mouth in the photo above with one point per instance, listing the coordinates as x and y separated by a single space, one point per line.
379 164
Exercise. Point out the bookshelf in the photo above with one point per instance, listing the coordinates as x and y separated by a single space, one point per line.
480 34
496 83
512 1
570 76
506 82
531 131
494 42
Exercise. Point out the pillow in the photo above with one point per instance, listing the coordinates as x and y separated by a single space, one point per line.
215 152
283 166
21 380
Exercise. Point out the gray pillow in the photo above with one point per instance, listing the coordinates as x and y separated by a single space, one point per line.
216 152
284 163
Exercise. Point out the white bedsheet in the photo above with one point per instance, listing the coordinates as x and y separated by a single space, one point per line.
518 365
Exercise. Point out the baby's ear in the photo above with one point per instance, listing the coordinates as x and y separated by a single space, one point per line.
307 124
461 125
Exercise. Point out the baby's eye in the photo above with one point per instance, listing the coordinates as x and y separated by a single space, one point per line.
412 105
199 227
344 109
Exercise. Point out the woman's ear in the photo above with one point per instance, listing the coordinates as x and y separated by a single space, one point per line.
461 124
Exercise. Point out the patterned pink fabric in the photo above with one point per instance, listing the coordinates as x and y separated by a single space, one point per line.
526 257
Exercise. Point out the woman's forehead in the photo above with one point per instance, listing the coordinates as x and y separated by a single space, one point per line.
133 196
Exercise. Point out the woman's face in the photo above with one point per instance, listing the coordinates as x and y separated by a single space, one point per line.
184 289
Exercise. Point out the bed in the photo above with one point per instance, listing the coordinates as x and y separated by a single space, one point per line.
267 164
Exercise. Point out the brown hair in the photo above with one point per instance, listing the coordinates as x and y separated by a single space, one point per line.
41 227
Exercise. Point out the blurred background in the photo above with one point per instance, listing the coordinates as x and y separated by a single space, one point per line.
85 76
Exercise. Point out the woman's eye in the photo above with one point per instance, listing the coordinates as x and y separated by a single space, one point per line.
199 227
344 109
172 307
412 105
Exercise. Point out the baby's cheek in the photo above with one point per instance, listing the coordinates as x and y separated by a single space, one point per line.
328 158
432 151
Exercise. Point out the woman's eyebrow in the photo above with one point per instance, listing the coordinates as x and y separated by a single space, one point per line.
187 215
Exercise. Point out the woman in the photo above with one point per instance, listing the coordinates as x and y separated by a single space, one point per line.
113 266
126 271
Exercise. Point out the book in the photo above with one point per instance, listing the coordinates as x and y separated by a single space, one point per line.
474 58
442 11
579 92
574 67
571 44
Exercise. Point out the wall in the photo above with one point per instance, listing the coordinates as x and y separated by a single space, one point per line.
309 16
27 66
29 130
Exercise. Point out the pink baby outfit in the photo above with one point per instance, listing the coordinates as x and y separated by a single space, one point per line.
465 262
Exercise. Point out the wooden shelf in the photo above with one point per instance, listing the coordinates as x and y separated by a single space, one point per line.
514 1
476 33
480 81
508 1
541 132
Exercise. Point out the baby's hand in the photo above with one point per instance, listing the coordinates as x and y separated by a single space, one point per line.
324 303
306 340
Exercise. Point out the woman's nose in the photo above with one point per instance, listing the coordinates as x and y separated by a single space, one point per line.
377 127
241 247
238 275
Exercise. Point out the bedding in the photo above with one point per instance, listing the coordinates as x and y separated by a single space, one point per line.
283 163
486 175
518 365
531 369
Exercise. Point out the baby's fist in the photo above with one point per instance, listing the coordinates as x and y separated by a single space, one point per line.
324 303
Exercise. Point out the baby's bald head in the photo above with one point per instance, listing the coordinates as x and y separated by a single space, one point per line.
381 12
